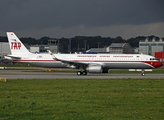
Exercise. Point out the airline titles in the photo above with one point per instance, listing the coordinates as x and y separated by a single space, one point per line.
105 56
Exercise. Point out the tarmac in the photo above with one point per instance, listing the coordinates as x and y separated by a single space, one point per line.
39 73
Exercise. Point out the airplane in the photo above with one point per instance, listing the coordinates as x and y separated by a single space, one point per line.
92 63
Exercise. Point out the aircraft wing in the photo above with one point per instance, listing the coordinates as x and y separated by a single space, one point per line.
77 64
71 63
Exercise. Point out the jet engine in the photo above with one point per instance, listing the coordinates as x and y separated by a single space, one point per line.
95 69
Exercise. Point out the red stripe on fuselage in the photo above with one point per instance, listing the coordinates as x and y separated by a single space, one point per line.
154 64
36 60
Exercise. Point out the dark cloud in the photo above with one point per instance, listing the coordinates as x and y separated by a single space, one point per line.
36 15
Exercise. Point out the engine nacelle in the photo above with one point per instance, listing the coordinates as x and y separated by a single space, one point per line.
95 69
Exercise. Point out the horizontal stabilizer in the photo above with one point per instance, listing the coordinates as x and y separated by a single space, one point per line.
12 57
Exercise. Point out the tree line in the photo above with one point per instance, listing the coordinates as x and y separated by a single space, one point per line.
80 42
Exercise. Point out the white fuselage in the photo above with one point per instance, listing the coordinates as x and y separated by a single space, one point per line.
109 61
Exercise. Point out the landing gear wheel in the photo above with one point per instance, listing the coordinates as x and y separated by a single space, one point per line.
143 74
79 73
84 72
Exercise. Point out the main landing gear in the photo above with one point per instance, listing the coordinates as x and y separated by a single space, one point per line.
81 73
143 74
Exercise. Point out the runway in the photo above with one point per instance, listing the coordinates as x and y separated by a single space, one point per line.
90 76
29 74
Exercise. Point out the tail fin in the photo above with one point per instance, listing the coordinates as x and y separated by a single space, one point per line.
16 45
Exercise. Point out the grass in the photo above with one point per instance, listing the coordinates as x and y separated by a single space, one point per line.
15 65
88 99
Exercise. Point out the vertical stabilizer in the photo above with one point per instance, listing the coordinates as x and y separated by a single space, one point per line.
16 46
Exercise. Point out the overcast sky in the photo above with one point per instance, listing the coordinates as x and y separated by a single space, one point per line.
69 18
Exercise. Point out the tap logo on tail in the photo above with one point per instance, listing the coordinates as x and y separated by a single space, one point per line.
15 45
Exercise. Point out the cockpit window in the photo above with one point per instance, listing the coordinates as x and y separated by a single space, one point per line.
154 59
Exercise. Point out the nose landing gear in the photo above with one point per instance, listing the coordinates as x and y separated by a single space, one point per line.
143 74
